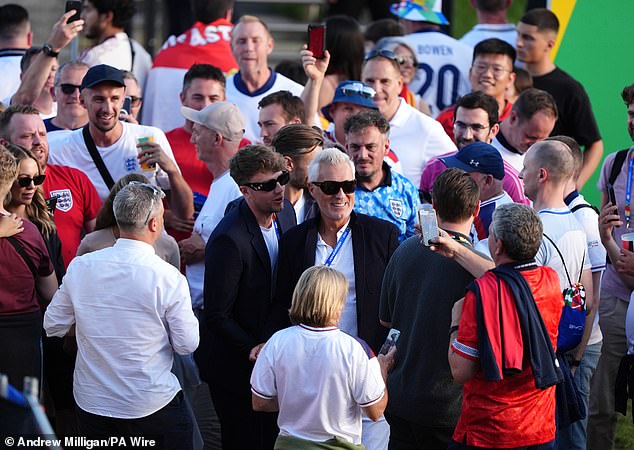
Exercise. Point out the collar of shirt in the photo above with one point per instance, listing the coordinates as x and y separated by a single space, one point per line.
462 238
320 241
243 89
401 116
386 181
570 197
502 140
134 245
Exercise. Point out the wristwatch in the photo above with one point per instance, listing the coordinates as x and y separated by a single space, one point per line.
48 51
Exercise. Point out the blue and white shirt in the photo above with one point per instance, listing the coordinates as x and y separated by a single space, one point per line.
396 200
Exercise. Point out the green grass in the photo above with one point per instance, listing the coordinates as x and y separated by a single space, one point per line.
625 431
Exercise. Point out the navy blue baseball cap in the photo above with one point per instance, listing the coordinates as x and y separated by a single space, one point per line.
349 91
102 73
477 157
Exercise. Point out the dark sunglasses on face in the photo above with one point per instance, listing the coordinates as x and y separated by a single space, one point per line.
68 88
26 181
384 53
134 100
332 187
268 186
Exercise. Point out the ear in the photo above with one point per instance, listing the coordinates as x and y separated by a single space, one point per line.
29 38
269 45
513 117
543 175
495 129
182 96
387 146
296 120
107 17
311 189
4 142
153 224
498 247
244 190
289 163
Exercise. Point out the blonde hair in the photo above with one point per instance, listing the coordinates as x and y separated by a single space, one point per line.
8 169
254 19
318 297
37 212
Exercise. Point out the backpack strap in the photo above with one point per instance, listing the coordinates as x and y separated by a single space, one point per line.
583 260
619 159
96 158
22 252
584 205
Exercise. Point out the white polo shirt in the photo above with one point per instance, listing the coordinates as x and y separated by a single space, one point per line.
321 378
132 311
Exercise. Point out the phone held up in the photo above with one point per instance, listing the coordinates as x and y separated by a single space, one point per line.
127 107
76 5
317 39
390 341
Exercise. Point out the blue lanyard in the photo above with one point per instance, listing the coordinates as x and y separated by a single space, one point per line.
628 191
276 227
338 246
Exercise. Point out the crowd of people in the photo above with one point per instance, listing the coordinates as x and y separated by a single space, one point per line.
201 249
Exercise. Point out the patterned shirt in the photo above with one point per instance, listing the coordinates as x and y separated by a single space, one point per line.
395 200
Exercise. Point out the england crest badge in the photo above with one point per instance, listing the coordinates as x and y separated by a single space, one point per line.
64 199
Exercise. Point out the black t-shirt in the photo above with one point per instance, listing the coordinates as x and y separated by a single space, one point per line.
576 118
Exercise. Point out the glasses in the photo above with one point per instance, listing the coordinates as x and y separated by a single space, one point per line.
475 127
26 181
134 100
332 187
352 89
268 186
384 53
406 60
157 195
69 89
482 68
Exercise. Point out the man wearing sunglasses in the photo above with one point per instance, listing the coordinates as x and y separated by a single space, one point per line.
240 265
357 245
71 115
415 137
380 192
77 200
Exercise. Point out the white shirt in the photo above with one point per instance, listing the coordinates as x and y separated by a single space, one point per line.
116 52
223 191
321 378
248 101
271 240
416 138
442 58
132 311
561 226
344 263
10 70
120 158
516 160
504 31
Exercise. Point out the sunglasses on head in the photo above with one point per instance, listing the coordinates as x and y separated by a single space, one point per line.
353 89
268 186
332 187
26 181
68 88
157 196
384 53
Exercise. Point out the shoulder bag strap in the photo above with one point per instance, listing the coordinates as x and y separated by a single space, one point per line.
617 164
20 249
96 158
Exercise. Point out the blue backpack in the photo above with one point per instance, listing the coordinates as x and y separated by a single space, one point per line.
573 314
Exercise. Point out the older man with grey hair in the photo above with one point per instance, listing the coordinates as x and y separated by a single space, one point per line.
130 311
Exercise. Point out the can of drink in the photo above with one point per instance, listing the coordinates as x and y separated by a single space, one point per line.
146 167
627 241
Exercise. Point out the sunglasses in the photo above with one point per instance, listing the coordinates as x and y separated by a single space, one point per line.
26 181
332 187
69 88
134 100
406 60
384 53
268 186
352 89
157 195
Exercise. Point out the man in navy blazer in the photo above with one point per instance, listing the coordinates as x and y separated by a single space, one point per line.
357 245
240 266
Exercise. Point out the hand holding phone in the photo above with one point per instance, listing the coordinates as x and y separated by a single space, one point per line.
317 39
390 341
73 5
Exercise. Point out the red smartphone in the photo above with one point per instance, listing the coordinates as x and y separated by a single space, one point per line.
317 39
76 5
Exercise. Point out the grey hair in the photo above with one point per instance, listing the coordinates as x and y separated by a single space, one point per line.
68 65
132 204
519 227
556 157
331 157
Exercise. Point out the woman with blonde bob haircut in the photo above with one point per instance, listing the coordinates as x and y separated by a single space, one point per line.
319 378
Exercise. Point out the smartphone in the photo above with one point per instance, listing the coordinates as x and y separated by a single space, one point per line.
73 4
428 223
392 338
611 195
127 105
317 39
51 203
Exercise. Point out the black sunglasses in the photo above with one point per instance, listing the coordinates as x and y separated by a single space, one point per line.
134 100
332 187
384 53
26 181
69 88
268 186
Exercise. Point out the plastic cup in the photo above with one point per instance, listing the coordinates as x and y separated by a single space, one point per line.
627 241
